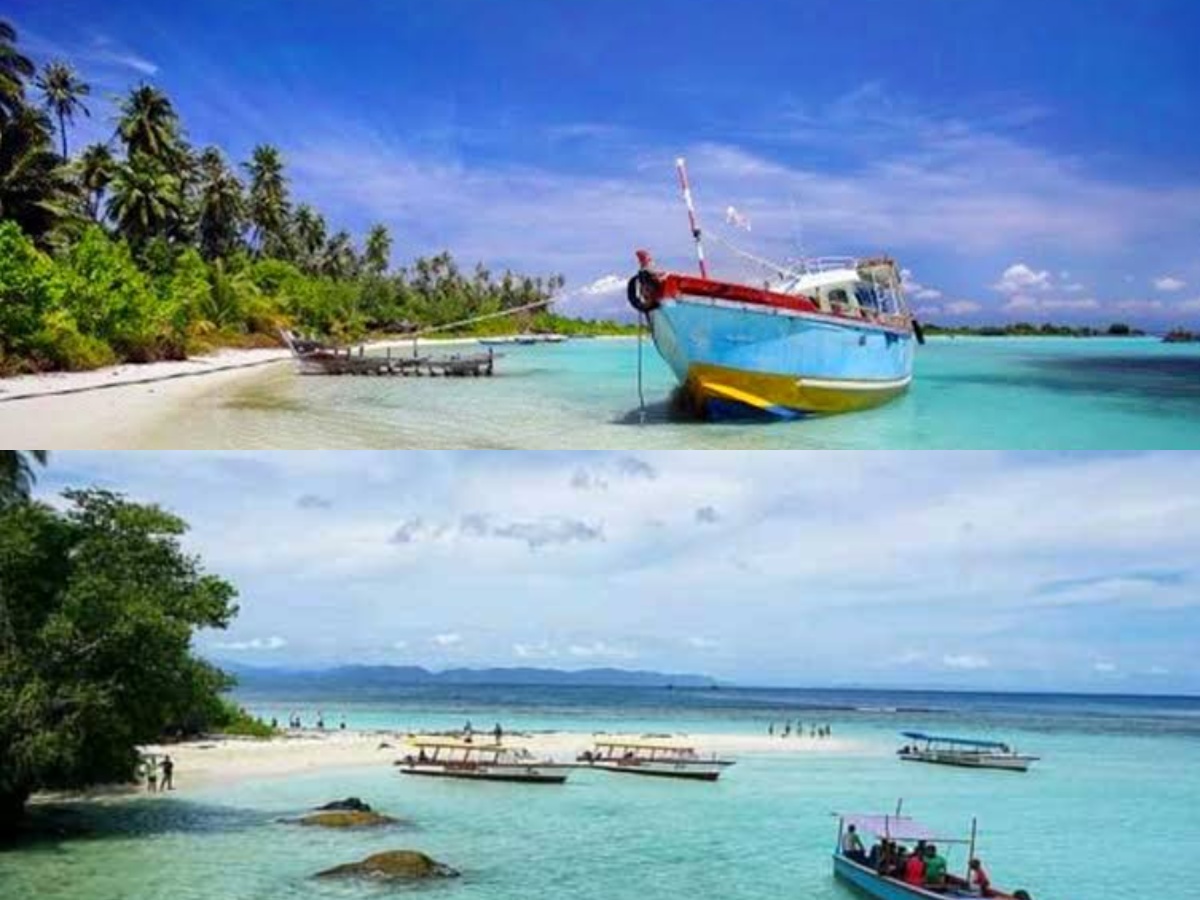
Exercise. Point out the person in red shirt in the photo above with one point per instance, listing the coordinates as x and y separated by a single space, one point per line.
977 879
914 870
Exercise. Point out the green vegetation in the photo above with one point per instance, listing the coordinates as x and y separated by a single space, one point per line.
149 248
232 719
1028 329
98 608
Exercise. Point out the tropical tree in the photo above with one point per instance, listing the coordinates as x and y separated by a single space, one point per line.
308 236
221 206
149 126
15 70
377 255
94 170
268 206
62 91
36 190
99 605
339 259
145 201
17 474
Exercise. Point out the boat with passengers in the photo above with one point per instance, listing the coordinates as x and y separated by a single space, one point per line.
882 870
966 752
658 757
440 757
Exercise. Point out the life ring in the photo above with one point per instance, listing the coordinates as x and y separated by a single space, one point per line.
642 291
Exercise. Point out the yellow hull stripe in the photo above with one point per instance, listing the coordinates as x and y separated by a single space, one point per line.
786 392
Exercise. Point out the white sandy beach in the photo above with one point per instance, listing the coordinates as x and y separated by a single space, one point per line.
113 407
222 760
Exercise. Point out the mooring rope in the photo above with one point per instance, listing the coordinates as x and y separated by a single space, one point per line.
642 317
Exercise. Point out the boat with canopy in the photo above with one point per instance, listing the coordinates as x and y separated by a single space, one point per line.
655 757
823 335
966 752
889 841
460 758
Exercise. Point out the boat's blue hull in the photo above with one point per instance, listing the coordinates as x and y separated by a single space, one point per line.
874 885
779 361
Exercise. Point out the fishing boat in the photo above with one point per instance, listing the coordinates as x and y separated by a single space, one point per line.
875 873
966 752
459 758
826 335
654 757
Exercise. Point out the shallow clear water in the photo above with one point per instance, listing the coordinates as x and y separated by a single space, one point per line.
987 393
1108 813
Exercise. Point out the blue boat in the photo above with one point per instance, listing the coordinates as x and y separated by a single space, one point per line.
964 752
819 336
873 874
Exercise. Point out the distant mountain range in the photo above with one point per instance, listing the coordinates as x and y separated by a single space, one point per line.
388 676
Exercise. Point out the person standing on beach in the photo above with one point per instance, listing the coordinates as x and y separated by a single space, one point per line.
771 729
151 775
498 733
168 770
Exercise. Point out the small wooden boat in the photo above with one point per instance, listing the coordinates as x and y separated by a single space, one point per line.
654 757
964 752
463 759
895 837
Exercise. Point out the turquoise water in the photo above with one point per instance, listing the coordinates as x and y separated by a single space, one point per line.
1109 813
1035 393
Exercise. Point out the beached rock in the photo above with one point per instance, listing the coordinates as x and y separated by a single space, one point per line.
393 865
350 803
347 818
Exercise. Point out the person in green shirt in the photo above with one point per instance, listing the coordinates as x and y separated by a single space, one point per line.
935 867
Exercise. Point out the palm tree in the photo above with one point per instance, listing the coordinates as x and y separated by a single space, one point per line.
145 201
95 169
269 208
149 126
15 70
17 475
221 206
35 188
61 92
308 231
339 259
378 252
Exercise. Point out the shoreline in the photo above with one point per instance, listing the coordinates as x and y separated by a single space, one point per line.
225 761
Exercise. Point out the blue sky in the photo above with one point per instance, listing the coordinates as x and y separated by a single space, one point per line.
1023 160
960 570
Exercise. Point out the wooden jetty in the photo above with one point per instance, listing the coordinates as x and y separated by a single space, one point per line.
316 358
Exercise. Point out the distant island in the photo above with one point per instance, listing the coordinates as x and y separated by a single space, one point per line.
1029 329
391 676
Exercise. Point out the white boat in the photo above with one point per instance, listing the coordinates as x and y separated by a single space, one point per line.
654 757
522 339
965 752
463 759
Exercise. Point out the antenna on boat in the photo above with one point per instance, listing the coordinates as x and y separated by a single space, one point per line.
681 167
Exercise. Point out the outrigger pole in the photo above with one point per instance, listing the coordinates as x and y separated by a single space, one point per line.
681 166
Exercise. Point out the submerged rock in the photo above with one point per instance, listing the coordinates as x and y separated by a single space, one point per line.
346 819
350 803
392 865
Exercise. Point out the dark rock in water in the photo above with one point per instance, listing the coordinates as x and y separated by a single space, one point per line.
350 803
346 818
1181 336
393 865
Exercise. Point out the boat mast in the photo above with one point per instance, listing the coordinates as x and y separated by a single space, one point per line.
681 167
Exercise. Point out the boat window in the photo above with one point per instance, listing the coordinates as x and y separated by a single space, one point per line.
866 297
838 296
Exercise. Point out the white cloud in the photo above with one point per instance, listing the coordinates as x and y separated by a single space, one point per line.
962 307
538 650
399 645
1104 667
1018 278
1024 303
448 639
600 650
1138 306
606 284
968 661
268 643
702 643
1169 283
